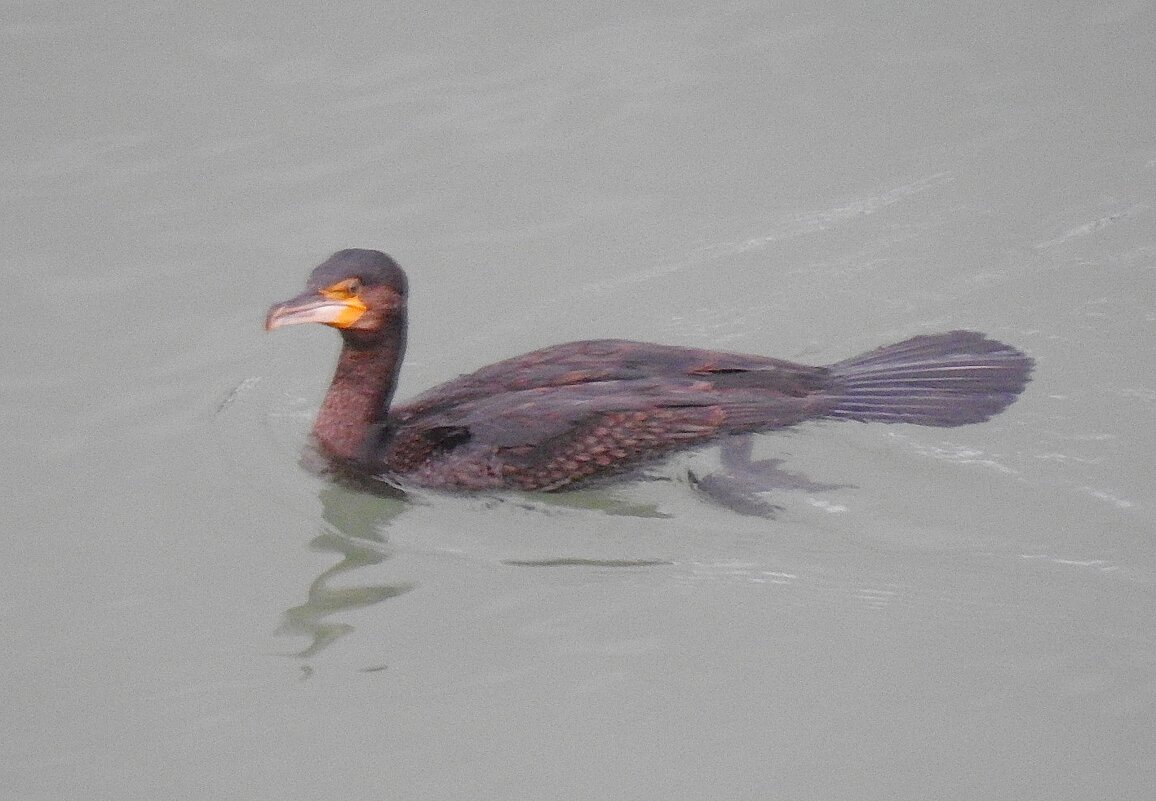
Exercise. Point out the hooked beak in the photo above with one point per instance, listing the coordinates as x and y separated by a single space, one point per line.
313 307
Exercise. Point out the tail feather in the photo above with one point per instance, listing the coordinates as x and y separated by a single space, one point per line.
949 379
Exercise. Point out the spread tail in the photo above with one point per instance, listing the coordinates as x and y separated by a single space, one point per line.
949 379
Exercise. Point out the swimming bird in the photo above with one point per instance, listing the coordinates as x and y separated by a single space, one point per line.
556 417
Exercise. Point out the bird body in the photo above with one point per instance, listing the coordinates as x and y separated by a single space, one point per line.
558 416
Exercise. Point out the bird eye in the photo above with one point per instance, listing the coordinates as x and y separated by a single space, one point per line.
343 290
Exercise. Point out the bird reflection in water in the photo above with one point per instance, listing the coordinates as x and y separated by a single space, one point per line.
353 521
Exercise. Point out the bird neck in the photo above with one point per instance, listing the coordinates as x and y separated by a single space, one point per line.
359 395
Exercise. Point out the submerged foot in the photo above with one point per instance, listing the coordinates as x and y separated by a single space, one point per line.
738 484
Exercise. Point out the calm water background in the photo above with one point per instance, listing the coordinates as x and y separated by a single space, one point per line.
189 614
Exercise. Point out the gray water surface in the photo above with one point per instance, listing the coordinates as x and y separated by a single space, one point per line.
190 614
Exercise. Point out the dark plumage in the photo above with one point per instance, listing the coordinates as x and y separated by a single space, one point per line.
553 417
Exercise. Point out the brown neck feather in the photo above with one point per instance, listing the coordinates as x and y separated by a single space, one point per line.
360 393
